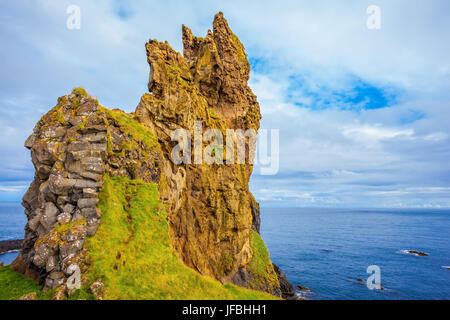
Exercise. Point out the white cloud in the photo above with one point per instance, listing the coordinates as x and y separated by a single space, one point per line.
375 133
12 188
436 136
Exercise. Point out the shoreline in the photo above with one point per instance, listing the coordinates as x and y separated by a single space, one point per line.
10 245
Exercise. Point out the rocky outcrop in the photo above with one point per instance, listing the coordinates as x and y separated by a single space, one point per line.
68 149
10 245
214 219
72 147
213 210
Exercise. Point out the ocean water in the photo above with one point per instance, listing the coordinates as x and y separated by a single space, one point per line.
12 222
327 250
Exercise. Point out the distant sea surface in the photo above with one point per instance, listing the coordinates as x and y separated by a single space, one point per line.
327 250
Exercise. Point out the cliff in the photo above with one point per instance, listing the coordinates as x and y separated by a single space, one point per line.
112 215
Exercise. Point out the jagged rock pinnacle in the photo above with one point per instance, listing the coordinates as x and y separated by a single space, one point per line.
214 213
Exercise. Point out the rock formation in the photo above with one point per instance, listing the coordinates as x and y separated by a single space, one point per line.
72 147
213 217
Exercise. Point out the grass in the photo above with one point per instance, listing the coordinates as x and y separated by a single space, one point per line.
13 285
53 238
239 46
132 255
81 294
80 91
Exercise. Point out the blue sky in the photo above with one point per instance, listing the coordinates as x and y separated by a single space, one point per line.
363 114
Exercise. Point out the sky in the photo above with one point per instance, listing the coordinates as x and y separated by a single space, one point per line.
362 113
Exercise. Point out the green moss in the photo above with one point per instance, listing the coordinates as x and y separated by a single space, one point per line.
75 104
132 255
13 285
252 115
54 236
81 126
80 91
61 228
56 115
62 100
59 117
205 57
212 113
260 265
227 261
180 76
175 69
59 165
109 142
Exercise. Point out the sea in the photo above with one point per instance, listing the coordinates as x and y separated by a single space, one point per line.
329 251
335 253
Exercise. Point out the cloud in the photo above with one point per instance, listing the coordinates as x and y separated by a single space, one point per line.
363 114
13 188
340 157
376 133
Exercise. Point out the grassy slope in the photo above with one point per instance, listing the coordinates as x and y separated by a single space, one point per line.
131 127
260 265
131 250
